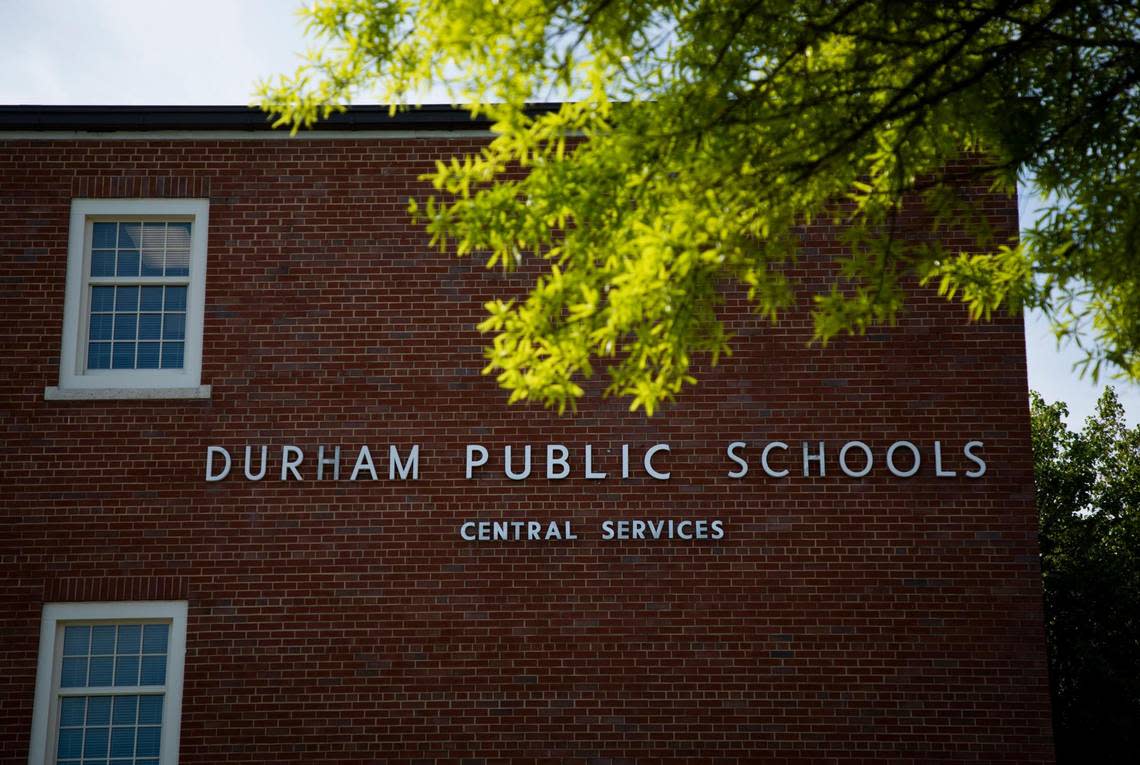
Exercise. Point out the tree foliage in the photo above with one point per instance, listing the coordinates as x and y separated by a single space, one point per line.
1088 499
698 136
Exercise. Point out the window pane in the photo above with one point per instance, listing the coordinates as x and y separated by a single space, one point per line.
74 673
151 263
152 298
126 298
103 263
150 710
122 742
103 299
154 236
126 670
98 710
100 326
176 298
103 640
126 326
102 235
150 326
76 640
155 637
148 355
130 636
177 262
70 743
178 236
172 355
99 356
72 710
128 264
147 743
123 356
95 742
153 670
174 326
129 236
126 710
102 671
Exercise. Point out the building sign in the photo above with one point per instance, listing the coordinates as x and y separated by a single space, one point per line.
774 459
555 462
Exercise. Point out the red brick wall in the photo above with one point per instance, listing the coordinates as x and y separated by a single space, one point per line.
841 619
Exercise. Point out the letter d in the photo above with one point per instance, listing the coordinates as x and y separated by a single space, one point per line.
210 452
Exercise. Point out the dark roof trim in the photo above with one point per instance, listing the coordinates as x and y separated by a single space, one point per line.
183 118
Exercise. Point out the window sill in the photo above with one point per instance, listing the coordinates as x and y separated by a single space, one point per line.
54 393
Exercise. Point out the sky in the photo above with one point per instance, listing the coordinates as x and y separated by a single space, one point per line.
139 52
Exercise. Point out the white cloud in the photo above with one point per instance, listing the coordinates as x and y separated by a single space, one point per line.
154 52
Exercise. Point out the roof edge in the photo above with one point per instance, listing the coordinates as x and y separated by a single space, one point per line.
241 118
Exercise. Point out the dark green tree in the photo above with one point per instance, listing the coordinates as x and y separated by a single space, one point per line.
1088 498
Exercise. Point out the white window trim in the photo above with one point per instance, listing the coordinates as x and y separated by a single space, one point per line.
75 382
55 616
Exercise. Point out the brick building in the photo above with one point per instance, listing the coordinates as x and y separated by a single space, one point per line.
260 505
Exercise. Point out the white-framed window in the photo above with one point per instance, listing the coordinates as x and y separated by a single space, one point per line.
135 298
109 684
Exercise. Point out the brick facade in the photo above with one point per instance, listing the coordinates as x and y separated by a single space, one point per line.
839 619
